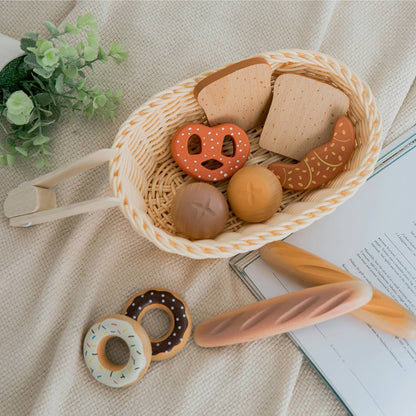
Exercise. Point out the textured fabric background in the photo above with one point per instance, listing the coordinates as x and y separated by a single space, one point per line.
57 279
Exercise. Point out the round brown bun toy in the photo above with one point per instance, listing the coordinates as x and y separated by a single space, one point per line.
199 211
254 193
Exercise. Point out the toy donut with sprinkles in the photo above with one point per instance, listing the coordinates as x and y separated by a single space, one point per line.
134 336
180 317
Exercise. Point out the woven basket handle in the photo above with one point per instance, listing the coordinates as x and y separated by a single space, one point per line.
34 202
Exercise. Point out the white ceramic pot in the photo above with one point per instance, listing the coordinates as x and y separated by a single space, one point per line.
9 50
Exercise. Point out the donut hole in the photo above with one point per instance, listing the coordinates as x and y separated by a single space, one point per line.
228 147
157 323
117 351
194 145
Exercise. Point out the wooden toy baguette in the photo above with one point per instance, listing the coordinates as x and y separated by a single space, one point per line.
382 312
320 164
282 314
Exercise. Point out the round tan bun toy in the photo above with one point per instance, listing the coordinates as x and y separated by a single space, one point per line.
199 211
136 339
254 193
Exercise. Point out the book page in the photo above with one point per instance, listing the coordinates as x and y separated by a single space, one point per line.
373 236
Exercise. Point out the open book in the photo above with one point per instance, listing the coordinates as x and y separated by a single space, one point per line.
372 236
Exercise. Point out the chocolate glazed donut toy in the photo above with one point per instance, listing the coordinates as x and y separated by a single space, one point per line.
320 164
208 150
181 324
133 335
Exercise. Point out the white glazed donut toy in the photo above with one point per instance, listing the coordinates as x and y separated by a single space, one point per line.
135 337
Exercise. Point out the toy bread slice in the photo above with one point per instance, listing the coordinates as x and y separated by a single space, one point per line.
321 164
282 314
238 94
302 115
303 267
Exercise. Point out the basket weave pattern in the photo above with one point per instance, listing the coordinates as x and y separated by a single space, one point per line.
145 177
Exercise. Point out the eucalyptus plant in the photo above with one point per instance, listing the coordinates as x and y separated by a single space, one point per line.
49 77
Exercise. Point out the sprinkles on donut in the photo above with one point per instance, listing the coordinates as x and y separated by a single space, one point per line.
180 317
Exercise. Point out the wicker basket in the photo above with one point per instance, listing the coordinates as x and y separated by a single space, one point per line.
144 177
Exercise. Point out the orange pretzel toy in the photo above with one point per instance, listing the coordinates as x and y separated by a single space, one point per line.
211 142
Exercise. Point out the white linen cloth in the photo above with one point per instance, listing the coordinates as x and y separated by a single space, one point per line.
57 279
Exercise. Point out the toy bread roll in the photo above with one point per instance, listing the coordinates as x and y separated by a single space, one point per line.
282 314
382 312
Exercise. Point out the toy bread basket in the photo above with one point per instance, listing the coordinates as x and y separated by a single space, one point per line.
144 177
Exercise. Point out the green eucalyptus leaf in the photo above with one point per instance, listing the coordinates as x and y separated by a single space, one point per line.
90 111
71 72
44 45
19 108
115 48
63 42
3 160
10 159
30 60
71 29
90 53
10 148
67 52
117 60
80 86
46 149
59 84
99 101
53 30
48 114
80 95
80 48
96 90
39 81
41 139
118 94
32 35
40 163
102 55
32 50
22 151
43 99
49 60
43 72
86 20
26 43
35 126
93 39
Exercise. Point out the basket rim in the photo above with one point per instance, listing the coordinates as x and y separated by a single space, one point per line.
224 247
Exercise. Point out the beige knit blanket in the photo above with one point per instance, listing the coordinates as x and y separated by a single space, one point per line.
57 279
